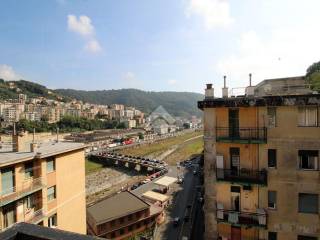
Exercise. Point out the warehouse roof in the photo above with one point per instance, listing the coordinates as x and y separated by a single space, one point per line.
155 196
166 181
116 206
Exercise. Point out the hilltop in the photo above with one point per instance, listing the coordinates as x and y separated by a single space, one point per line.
181 104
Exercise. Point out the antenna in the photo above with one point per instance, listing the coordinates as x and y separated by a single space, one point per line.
57 134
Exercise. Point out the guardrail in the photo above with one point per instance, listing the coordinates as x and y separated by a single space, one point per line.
242 176
241 135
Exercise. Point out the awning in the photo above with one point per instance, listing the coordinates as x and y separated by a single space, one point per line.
155 196
166 181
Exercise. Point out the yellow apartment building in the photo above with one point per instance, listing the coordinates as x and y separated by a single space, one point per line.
261 162
43 184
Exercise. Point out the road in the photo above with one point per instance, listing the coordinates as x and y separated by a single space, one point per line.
184 197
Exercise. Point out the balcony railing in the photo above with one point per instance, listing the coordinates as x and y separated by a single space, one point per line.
247 176
35 217
21 190
251 219
241 135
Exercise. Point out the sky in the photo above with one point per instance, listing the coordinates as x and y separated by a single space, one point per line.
158 45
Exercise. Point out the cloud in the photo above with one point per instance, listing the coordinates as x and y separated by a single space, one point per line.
129 76
83 26
172 81
7 73
285 52
93 46
215 13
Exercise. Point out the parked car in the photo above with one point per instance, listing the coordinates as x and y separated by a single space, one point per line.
176 221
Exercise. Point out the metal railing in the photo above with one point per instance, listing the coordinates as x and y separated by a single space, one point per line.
247 135
243 176
36 216
243 218
29 185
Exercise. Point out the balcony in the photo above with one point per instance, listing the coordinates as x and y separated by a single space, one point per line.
23 189
35 217
243 176
241 135
248 219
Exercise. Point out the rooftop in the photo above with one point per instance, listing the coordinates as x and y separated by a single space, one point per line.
22 231
117 206
166 181
155 196
43 150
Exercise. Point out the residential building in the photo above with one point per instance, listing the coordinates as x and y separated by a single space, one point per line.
122 216
27 231
43 184
261 164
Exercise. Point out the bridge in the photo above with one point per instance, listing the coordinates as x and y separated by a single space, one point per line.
131 162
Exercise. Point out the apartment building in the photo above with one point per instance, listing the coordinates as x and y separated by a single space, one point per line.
122 216
43 184
261 164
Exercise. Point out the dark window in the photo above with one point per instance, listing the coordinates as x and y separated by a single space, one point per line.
121 231
130 217
122 220
28 169
130 228
308 159
235 189
272 199
272 236
138 224
272 158
113 234
301 237
308 203
112 223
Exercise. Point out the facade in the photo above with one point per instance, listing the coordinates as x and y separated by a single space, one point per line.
122 216
37 185
261 166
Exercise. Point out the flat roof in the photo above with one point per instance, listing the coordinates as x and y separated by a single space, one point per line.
116 206
24 230
44 150
166 181
155 196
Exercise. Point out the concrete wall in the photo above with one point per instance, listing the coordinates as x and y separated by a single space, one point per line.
71 201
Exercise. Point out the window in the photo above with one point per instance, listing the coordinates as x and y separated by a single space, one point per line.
271 111
121 231
113 234
272 199
122 220
130 217
308 203
29 202
9 215
52 221
112 223
301 237
28 169
308 116
51 193
51 166
308 159
7 180
272 158
272 236
130 228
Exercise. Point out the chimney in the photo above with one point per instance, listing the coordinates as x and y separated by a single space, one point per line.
225 88
250 88
19 142
33 147
209 91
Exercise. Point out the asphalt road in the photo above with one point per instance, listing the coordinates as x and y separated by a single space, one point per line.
183 198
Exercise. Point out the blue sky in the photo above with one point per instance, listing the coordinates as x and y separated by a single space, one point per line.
175 45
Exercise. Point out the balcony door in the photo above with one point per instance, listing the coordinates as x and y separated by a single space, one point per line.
7 180
234 123
235 233
9 215
235 198
235 160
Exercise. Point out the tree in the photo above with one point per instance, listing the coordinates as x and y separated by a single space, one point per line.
313 76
